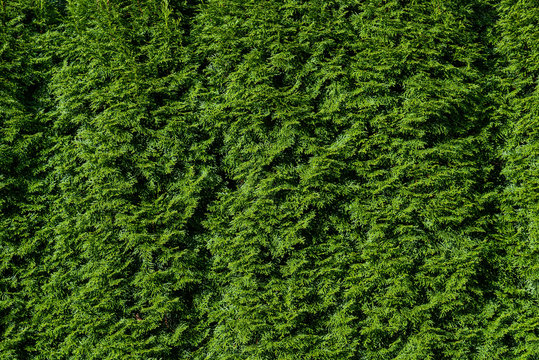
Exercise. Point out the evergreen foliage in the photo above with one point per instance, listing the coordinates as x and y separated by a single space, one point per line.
132 178
286 179
360 223
24 68
514 333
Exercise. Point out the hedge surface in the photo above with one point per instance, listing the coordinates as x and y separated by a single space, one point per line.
231 179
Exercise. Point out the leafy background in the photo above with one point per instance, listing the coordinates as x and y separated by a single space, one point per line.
229 179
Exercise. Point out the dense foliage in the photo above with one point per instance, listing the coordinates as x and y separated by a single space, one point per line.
231 179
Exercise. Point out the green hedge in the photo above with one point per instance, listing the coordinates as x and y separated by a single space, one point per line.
232 179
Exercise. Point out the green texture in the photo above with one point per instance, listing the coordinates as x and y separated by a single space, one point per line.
248 179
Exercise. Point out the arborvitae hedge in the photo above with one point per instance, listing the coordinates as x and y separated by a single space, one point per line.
132 180
514 330
24 142
287 179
